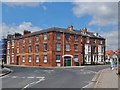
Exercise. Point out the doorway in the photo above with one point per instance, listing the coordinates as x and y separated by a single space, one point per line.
17 62
67 61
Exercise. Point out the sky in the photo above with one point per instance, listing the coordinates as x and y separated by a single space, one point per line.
101 17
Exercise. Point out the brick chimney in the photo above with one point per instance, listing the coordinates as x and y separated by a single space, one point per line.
70 27
26 32
83 30
17 34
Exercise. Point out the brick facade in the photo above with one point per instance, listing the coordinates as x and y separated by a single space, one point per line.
21 46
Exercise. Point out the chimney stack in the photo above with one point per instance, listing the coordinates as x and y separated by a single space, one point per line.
26 32
84 30
17 34
70 27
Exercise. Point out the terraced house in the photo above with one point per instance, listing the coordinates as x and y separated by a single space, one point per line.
56 47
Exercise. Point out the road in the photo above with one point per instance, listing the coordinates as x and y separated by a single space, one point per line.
36 77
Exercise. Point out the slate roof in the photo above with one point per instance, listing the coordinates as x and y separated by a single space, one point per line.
62 30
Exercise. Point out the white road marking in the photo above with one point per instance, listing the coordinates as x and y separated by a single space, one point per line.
14 77
28 85
30 77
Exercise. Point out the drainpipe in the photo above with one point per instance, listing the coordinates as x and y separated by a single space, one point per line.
63 49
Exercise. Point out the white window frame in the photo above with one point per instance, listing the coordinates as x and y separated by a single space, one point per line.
23 59
12 58
45 36
37 38
17 50
37 58
67 47
29 58
8 44
12 42
76 59
45 58
58 46
57 60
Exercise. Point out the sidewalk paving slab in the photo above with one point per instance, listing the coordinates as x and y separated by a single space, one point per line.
107 79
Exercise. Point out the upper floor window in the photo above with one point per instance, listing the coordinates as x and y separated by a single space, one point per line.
87 39
45 37
37 48
29 58
101 42
17 50
12 42
45 58
23 59
76 37
89 48
37 38
57 46
23 41
75 47
57 58
45 46
12 50
76 58
67 37
94 41
30 40
12 59
8 43
37 58
30 49
102 49
67 47
58 36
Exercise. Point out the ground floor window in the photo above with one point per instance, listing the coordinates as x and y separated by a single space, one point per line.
30 58
12 59
23 59
37 58
76 58
45 58
57 58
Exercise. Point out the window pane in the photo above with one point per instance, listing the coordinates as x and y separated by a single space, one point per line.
76 58
67 47
37 48
45 58
45 37
67 37
57 47
76 37
45 47
37 38
57 36
76 47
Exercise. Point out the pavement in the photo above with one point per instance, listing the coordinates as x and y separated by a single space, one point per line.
105 78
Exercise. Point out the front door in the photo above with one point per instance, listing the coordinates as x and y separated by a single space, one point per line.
17 62
67 61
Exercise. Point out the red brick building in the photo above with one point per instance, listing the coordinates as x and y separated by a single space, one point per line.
55 47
